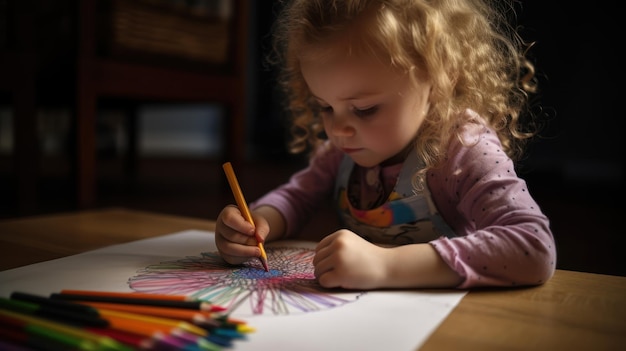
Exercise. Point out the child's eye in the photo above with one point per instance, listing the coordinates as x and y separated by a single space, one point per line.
365 112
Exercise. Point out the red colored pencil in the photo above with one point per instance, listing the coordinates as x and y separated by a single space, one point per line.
135 295
197 305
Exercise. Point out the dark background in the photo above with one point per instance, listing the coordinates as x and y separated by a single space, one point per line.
575 169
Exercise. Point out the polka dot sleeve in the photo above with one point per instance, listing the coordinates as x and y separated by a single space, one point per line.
503 239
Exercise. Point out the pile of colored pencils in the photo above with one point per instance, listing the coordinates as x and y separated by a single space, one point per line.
115 321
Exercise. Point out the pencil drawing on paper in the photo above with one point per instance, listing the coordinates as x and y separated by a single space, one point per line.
289 286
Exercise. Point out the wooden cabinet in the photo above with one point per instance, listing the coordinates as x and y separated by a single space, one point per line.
100 71
99 77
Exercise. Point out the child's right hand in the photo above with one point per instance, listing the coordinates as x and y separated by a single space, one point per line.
234 236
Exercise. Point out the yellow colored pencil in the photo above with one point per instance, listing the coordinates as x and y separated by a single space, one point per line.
243 207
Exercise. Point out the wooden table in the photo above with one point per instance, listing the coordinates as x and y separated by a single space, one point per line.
572 311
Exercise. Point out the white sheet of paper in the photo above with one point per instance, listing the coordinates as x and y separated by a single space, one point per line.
379 320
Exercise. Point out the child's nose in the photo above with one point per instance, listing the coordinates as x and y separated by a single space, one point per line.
341 126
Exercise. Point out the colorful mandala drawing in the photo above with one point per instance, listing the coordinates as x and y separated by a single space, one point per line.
289 287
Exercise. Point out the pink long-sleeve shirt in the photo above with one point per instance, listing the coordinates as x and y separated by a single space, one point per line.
503 238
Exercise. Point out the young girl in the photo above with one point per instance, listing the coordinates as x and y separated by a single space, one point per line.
411 110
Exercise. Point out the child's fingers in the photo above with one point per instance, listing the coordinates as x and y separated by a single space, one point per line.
232 218
262 227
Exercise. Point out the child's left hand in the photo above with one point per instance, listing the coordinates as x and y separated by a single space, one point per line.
345 260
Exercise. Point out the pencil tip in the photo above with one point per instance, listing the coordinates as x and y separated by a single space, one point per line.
264 263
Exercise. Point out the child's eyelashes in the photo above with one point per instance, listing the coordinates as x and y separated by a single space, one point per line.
359 112
365 112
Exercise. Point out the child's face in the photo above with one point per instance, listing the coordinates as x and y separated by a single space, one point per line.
369 111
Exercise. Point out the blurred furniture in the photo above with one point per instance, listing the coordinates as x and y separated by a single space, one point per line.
135 51
17 81
142 58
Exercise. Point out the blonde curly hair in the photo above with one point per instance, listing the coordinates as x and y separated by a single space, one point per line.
467 49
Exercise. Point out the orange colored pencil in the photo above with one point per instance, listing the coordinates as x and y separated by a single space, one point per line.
153 334
130 320
166 312
243 207
144 329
